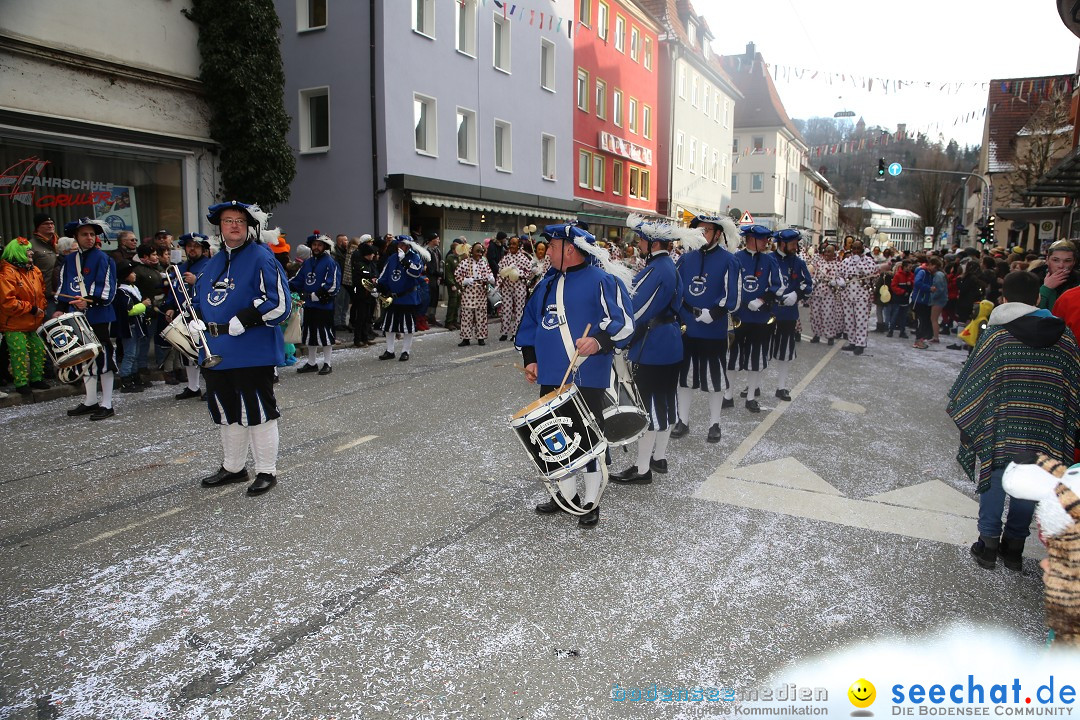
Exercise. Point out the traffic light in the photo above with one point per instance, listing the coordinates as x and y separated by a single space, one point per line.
881 167
983 237
990 229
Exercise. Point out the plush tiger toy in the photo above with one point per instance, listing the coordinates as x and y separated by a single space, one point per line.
1056 489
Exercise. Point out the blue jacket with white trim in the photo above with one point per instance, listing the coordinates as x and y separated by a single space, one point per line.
761 275
796 275
319 272
710 279
247 283
657 297
590 297
195 268
99 277
401 277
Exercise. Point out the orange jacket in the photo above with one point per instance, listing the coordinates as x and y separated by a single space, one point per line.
20 292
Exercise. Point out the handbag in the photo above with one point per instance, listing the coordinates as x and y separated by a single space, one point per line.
294 325
886 296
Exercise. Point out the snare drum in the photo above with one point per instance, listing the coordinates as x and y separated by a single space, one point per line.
559 433
494 298
176 333
69 340
625 419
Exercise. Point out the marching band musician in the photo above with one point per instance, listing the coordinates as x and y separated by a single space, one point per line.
711 287
196 247
515 270
656 347
800 285
762 285
473 274
857 271
88 284
318 282
400 280
240 298
581 290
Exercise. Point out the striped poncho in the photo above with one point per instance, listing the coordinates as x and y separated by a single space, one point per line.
1017 394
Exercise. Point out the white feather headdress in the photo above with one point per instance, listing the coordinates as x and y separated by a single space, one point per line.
691 238
420 249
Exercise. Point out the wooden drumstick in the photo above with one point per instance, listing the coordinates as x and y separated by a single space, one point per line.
570 367
526 372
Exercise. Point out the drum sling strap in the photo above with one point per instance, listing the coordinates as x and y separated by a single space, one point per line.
78 274
564 325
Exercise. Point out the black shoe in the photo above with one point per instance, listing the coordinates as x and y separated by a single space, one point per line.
263 483
659 466
847 348
816 339
903 336
1012 553
143 381
745 390
463 343
714 434
39 385
591 518
757 393
502 338
187 394
130 385
170 379
888 334
985 553
404 357
549 507
101 413
387 355
783 395
631 476
326 369
82 410
752 406
954 346
224 477
679 430
858 350
307 368
727 403
24 390
831 341
481 342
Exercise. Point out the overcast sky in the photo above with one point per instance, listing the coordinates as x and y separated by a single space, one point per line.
953 41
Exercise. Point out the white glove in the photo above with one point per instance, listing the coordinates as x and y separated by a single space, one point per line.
374 293
705 317
790 299
467 282
841 282
195 326
236 327
314 298
755 304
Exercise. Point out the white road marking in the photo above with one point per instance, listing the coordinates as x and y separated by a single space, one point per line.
850 407
485 354
354 443
146 521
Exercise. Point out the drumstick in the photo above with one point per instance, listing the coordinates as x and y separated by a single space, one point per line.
522 369
570 367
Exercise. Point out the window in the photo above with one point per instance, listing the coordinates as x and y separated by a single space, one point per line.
648 53
423 17
598 173
466 136
692 165
714 166
466 27
620 33
643 185
705 49
704 160
725 116
584 165
310 15
646 121
705 98
691 31
635 44
424 122
547 156
734 183
583 90
602 22
503 147
631 111
616 177
757 182
585 12
315 120
601 99
616 102
501 47
635 180
693 91
682 81
734 146
758 142
679 149
547 65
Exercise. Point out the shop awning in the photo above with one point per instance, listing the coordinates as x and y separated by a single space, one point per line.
1033 214
1062 180
487 206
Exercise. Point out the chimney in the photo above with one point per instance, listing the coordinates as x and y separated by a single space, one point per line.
751 51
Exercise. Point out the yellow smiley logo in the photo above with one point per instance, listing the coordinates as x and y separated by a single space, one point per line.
862 693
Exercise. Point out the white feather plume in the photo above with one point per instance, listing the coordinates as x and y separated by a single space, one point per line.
270 236
603 258
691 238
420 249
731 233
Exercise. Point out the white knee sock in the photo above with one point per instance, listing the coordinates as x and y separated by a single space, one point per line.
568 487
406 344
644 450
683 395
234 446
729 391
660 450
391 342
592 486
326 352
264 446
782 367
753 383
312 352
193 377
90 384
716 402
106 389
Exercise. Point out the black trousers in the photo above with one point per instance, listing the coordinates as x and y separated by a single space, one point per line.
923 328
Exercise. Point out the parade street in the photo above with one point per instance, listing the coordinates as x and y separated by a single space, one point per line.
398 568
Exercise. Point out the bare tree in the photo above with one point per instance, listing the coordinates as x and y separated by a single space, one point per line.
932 197
1039 145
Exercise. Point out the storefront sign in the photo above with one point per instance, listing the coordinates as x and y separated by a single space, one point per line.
625 148
23 183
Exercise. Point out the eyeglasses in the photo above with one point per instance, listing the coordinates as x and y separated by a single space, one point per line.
234 221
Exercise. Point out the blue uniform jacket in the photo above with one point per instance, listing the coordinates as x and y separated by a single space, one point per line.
761 275
99 277
195 268
797 277
657 296
248 283
319 272
401 277
590 296
710 279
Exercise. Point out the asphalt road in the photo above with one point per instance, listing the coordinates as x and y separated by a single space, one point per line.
398 569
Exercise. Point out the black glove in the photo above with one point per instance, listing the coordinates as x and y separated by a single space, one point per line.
250 317
323 295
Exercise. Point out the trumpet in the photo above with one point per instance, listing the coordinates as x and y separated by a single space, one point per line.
188 311
370 286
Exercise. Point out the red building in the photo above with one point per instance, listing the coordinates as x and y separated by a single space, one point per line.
615 117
